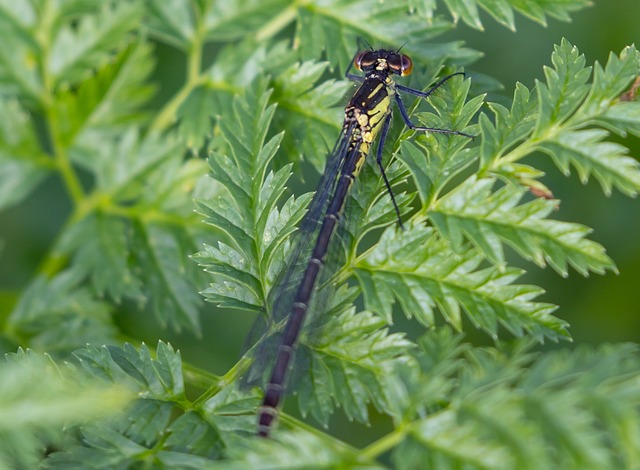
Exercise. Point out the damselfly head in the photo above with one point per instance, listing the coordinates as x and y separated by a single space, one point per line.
392 61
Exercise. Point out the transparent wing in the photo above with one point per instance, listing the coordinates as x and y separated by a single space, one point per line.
265 335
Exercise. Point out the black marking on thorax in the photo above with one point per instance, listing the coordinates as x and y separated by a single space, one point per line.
358 113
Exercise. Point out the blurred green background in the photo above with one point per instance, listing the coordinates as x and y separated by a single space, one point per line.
599 308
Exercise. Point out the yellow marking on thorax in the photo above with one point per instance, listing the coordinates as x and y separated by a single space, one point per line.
378 114
375 90
369 121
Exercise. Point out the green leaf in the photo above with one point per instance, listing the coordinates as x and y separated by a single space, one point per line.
106 448
453 111
236 67
302 106
586 149
441 441
167 193
182 23
75 52
591 155
510 408
387 23
76 76
22 165
370 206
566 105
622 118
609 82
228 21
232 411
33 416
429 385
61 314
192 434
158 382
239 64
160 377
509 126
101 249
123 165
420 271
160 251
107 102
196 117
305 449
148 429
565 89
443 156
252 228
488 219
502 10
537 10
241 289
351 360
18 71
467 10
145 183
173 22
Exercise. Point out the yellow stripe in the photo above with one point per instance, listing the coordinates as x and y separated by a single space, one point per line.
377 114
375 91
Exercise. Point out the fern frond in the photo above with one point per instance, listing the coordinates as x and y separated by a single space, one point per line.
349 360
107 102
567 109
245 214
76 52
39 397
160 426
22 166
56 314
488 218
501 10
420 271
556 410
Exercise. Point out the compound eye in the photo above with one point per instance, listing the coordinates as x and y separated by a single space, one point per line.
406 65
364 59
395 63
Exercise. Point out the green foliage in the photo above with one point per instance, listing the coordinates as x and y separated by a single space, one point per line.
78 84
53 314
146 431
561 124
484 217
23 167
518 409
502 10
38 397
419 270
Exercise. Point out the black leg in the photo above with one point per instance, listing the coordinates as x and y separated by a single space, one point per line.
383 138
410 125
424 94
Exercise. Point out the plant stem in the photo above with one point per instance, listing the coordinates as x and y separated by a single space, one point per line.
167 115
276 24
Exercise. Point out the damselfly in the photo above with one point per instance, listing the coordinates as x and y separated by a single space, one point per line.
367 114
